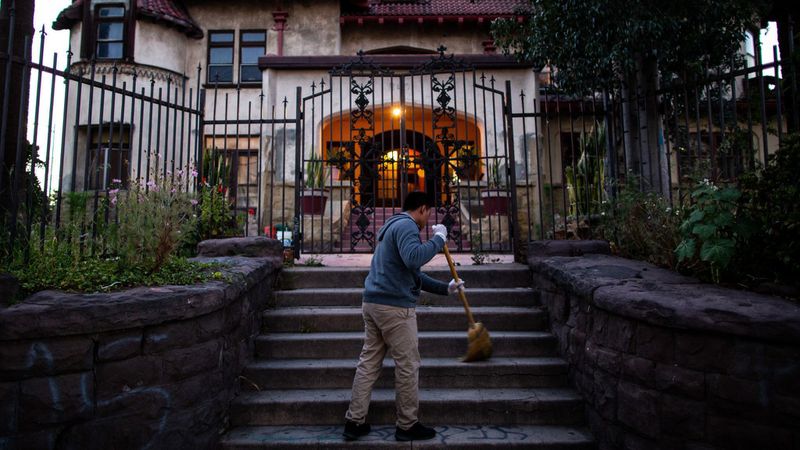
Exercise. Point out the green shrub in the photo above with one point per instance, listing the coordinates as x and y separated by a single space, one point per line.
152 220
131 238
642 225
770 202
58 267
711 232
216 217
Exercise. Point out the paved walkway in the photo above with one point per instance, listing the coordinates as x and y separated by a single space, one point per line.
363 260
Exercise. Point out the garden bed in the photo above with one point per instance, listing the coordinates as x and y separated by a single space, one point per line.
149 366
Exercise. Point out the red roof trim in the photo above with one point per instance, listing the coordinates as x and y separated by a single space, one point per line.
361 19
169 12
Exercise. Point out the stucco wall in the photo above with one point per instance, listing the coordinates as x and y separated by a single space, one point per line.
143 368
160 46
665 362
465 39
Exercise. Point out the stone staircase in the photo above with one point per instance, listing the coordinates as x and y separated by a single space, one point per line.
297 388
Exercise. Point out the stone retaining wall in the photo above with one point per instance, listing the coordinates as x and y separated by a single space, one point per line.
143 368
665 362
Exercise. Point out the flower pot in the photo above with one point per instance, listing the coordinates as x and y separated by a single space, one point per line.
496 201
312 201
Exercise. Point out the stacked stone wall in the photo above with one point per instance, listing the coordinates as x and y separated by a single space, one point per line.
665 362
151 367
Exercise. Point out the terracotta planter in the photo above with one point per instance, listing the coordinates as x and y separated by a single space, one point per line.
312 201
496 202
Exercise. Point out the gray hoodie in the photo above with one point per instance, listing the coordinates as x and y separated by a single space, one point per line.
394 276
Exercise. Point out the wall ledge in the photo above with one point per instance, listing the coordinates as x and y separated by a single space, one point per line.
57 313
662 297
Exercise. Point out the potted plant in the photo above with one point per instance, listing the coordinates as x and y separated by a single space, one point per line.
336 161
314 196
469 163
496 197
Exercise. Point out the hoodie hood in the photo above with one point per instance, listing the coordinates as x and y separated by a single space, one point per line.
390 221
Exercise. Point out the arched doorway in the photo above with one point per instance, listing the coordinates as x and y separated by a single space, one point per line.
404 169
389 160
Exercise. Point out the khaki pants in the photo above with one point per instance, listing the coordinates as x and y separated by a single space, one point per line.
392 329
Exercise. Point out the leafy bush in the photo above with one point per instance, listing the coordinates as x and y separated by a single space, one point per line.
712 231
152 220
130 238
770 202
216 215
642 225
59 267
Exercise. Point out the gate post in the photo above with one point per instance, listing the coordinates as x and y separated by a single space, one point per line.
403 150
298 173
512 174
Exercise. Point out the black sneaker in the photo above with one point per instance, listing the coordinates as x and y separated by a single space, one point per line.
354 431
418 432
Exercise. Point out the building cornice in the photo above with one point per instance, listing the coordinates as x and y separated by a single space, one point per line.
387 61
145 73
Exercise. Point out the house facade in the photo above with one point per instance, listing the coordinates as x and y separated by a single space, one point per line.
390 96
327 112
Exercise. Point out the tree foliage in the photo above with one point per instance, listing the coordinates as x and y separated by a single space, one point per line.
594 43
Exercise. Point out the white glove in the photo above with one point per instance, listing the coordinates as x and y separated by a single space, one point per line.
452 287
440 230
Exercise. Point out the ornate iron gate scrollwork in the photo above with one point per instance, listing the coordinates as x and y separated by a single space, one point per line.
381 134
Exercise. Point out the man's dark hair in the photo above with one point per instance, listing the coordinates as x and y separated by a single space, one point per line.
416 199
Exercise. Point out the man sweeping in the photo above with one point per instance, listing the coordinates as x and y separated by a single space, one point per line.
391 291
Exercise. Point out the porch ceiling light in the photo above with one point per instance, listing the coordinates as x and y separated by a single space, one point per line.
397 111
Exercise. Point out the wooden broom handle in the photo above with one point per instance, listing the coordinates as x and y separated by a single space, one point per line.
461 294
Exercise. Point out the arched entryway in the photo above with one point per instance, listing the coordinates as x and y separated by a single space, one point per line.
400 154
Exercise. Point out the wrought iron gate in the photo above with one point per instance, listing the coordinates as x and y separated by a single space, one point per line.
367 135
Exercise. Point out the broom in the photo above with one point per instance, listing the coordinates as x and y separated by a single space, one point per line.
479 345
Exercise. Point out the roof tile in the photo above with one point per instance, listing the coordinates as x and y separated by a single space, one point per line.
444 7
171 12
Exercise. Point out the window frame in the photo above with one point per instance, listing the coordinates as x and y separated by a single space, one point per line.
211 44
117 142
91 35
242 46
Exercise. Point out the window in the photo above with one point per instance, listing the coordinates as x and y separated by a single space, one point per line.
570 149
252 45
242 158
110 37
220 56
109 156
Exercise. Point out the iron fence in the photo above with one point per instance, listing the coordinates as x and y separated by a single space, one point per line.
581 152
505 165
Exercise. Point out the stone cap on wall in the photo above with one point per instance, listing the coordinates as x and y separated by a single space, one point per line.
661 297
55 313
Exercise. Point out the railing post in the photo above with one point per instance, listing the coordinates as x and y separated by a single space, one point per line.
611 155
512 173
298 172
6 92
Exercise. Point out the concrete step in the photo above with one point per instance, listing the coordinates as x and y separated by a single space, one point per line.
515 296
453 437
429 318
432 344
482 276
541 406
434 373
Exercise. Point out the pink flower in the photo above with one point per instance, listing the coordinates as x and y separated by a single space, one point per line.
194 173
193 202
116 181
